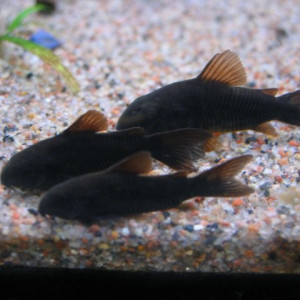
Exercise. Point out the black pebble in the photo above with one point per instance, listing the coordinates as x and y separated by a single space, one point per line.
166 214
120 95
97 85
209 240
265 186
99 234
29 75
281 33
283 210
189 228
50 6
250 139
7 129
272 255
112 83
8 139
252 84
213 226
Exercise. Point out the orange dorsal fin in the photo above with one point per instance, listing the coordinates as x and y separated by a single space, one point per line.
137 163
92 121
224 67
271 91
266 128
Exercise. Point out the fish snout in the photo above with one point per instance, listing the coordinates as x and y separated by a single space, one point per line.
7 176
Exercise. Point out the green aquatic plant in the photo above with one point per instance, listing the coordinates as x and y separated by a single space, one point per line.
43 53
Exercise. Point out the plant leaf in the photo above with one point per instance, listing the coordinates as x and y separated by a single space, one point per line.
20 17
47 56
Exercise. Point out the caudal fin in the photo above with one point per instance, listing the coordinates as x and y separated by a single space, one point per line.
219 181
291 108
180 148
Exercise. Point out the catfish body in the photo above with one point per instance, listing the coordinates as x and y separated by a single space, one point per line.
80 150
119 192
212 101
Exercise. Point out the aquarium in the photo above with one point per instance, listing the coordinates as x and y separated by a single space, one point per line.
200 176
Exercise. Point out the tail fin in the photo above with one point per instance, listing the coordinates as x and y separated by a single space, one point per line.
219 181
180 148
291 112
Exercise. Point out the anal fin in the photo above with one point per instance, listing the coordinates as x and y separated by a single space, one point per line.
137 163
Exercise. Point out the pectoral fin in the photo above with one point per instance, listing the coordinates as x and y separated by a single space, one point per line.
271 91
225 68
212 144
266 128
137 163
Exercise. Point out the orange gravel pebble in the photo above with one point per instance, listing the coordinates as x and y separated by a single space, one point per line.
114 234
15 215
40 242
237 202
84 240
254 227
283 153
13 206
248 253
283 161
88 263
294 143
94 228
141 247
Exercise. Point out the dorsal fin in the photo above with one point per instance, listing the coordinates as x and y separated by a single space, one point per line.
92 121
137 163
225 68
137 131
271 91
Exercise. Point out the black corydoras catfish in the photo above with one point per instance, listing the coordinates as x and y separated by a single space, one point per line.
120 191
79 150
213 101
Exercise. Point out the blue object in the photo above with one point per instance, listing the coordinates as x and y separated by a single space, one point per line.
45 39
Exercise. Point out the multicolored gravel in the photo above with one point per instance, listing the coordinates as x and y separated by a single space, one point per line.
119 50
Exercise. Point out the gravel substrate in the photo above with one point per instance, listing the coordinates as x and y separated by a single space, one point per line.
119 50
